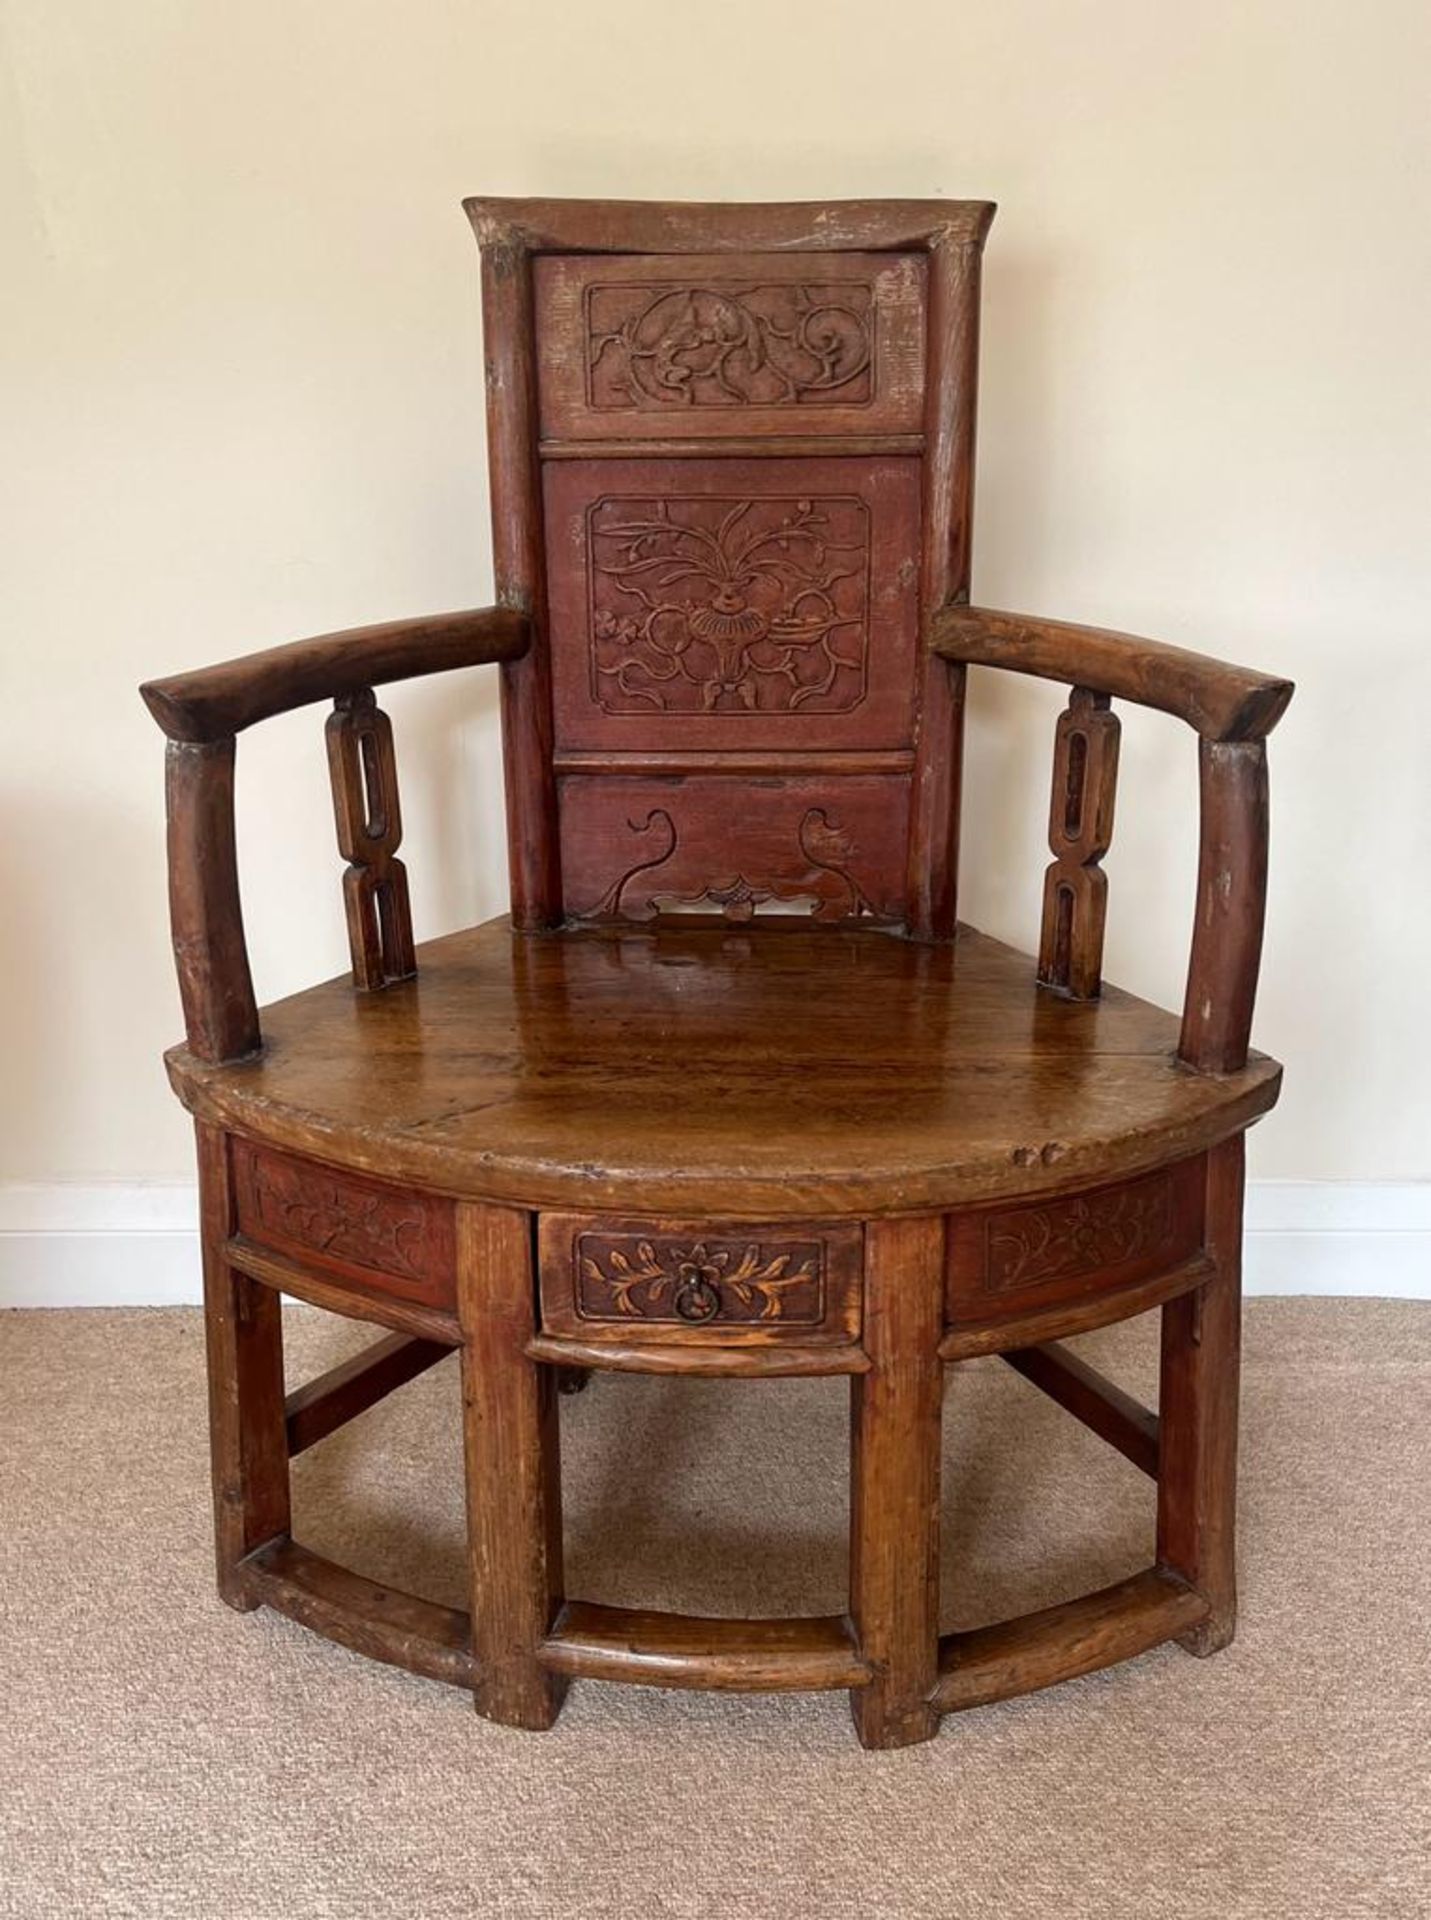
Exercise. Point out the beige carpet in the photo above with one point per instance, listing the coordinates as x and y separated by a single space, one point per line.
160 1755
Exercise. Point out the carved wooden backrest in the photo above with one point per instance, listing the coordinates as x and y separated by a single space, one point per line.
732 462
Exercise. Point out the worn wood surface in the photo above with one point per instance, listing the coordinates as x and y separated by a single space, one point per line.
676 226
372 1619
1219 701
910 1076
330 1400
1080 832
511 1445
894 1482
367 811
224 699
718 1360
205 914
1197 1404
1062 1642
248 1441
1115 1416
680 1650
1231 907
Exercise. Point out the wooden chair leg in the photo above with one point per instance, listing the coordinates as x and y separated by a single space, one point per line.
509 1424
248 1439
894 1503
1197 1475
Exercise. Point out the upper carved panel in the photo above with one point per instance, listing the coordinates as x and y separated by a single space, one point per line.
688 347
730 344
728 605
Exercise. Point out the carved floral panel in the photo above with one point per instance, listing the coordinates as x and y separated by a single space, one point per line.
694 346
673 1282
729 343
1108 1229
726 604
635 1277
343 1220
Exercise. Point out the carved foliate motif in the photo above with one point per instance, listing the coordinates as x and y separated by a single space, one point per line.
631 1277
343 1220
818 880
729 344
726 605
1081 1235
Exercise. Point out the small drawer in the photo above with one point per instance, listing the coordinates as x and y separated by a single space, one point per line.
1006 1261
675 1282
387 1239
691 346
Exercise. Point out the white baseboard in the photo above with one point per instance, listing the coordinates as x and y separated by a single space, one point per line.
137 1245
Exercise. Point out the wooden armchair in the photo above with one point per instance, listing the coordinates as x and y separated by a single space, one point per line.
730 1093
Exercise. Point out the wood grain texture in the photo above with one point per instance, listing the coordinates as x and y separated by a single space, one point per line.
247 1438
518 561
717 1362
224 699
1231 907
362 768
674 226
681 1650
1198 1406
946 555
1102 1406
894 1483
353 1298
1219 701
1060 1643
205 912
1080 832
372 1619
330 1400
510 1435
1083 1314
911 1076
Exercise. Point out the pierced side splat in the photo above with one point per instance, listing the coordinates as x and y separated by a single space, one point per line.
1080 832
363 769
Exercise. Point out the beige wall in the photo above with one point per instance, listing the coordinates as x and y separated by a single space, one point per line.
243 403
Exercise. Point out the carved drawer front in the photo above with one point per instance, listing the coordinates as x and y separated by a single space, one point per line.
725 607
385 1238
693 346
1008 1260
673 1282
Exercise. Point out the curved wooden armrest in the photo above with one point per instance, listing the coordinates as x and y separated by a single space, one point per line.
1232 709
202 712
1219 701
217 702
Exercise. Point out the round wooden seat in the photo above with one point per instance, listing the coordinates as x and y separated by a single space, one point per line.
780 1072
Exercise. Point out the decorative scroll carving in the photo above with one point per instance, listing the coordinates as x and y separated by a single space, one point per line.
1081 1235
346 1220
626 1276
823 886
363 769
1080 831
725 605
729 344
